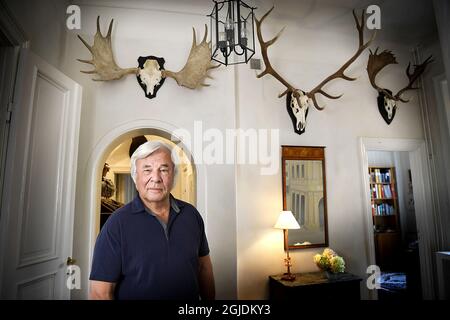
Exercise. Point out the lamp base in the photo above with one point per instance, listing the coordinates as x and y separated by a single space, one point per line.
288 277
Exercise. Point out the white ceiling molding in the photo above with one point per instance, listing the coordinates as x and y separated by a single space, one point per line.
192 7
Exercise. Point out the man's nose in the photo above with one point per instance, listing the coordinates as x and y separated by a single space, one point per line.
155 176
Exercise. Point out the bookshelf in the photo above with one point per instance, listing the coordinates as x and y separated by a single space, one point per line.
383 191
385 215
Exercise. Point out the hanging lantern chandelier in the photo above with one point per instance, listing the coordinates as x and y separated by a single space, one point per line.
232 32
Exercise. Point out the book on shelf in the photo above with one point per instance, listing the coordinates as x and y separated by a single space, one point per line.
383 209
377 176
388 177
387 191
382 191
393 192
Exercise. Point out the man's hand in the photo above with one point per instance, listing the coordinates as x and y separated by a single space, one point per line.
206 278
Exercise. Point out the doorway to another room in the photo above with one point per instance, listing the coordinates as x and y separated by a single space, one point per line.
395 234
426 229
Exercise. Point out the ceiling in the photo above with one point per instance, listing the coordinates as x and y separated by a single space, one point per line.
409 22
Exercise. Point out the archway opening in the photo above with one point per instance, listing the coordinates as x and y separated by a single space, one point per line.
116 187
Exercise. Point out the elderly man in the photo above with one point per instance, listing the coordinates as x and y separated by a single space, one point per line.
154 247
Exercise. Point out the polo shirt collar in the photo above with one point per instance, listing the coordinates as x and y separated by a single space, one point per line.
174 204
138 206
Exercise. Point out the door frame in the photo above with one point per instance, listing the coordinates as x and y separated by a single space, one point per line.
14 33
423 202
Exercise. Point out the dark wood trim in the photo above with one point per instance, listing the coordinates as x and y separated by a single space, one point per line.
305 153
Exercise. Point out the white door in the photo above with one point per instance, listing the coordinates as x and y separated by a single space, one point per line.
38 208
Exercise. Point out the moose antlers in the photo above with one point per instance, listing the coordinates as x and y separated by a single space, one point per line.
318 89
197 66
192 75
103 58
378 61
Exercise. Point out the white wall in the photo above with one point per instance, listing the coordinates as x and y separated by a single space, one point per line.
380 158
308 51
240 204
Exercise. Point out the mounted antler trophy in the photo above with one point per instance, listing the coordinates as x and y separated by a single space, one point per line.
387 101
298 101
150 72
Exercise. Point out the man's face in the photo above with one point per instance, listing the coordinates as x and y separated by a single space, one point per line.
154 176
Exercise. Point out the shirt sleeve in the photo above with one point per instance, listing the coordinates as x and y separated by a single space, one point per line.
107 259
203 249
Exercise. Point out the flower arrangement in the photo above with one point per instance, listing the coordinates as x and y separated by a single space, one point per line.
330 261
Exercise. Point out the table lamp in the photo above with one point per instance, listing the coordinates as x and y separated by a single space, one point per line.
287 221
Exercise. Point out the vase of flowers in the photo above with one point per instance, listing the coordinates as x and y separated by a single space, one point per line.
330 262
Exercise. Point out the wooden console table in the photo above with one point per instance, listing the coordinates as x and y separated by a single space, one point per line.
315 285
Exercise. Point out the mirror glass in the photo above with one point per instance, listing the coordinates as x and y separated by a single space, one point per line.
304 193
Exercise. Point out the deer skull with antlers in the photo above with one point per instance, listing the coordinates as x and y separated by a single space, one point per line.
387 101
150 73
299 101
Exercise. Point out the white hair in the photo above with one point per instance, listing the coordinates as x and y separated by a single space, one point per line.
147 149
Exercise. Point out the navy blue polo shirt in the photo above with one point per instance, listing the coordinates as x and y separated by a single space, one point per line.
134 251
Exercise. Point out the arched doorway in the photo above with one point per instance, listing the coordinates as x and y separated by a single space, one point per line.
87 216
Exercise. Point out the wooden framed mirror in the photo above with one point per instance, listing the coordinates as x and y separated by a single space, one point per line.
304 193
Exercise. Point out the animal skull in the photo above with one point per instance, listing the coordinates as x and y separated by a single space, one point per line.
387 100
151 72
300 111
150 75
298 101
389 106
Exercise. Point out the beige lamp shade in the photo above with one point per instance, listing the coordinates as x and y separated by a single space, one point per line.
286 220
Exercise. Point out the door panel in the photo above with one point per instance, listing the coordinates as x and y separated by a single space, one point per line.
37 216
40 210
41 288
